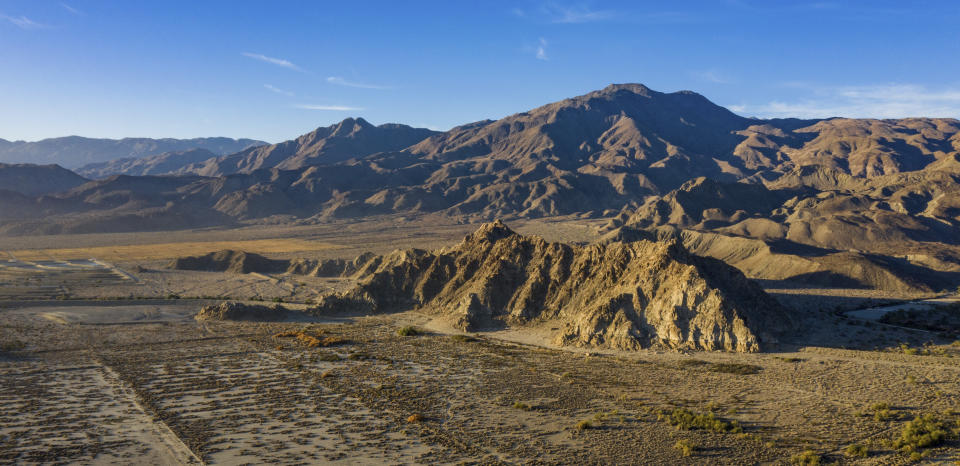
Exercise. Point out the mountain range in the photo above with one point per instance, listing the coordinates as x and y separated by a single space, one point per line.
663 163
75 151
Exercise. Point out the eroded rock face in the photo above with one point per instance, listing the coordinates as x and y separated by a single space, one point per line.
231 310
618 295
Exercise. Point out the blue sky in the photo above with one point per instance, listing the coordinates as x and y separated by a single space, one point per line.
274 70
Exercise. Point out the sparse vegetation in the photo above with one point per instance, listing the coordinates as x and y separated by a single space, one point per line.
521 406
408 331
735 368
686 419
685 447
462 338
881 412
12 345
856 451
726 368
693 363
924 431
585 424
415 418
806 458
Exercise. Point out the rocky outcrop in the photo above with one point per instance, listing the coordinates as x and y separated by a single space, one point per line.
328 267
617 295
231 310
229 260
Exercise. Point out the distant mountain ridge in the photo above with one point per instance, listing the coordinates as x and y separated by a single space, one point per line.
77 151
647 160
160 164
351 138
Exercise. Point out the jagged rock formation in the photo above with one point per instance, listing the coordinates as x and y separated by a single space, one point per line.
619 295
229 260
328 267
231 310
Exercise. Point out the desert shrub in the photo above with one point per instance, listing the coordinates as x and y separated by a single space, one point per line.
462 338
912 380
328 357
735 368
881 411
521 406
790 359
12 345
585 424
685 447
686 419
856 450
692 363
414 418
806 458
922 432
408 331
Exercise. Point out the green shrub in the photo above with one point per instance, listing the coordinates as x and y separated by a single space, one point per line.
584 425
685 447
686 419
922 432
462 338
806 458
408 331
856 451
521 406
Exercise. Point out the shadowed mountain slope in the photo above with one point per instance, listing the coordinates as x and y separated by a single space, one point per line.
34 180
160 164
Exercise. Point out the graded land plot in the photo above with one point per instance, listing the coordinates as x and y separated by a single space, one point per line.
49 279
251 392
159 251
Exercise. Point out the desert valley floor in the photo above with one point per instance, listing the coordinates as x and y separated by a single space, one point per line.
103 362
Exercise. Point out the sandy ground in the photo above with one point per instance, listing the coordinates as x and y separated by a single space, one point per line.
101 362
102 385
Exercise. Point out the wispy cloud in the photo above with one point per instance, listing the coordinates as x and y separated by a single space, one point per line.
71 9
872 101
337 108
278 90
572 14
542 50
714 76
272 60
23 22
343 82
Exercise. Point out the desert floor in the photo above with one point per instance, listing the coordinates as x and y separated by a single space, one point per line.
101 364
